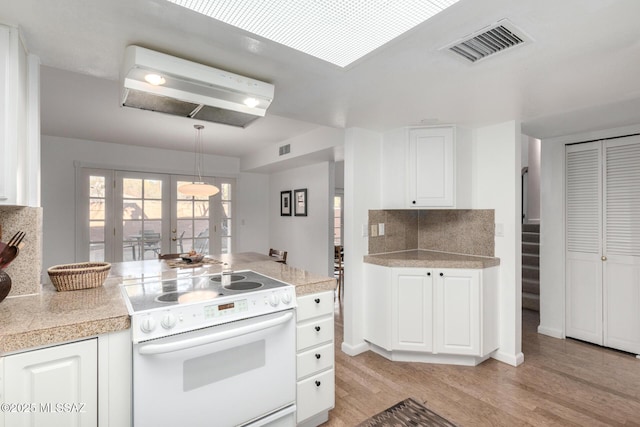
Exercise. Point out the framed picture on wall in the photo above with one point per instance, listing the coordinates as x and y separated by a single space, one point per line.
285 203
300 202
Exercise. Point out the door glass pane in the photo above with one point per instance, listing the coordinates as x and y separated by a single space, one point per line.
141 218
192 223
131 188
225 220
97 212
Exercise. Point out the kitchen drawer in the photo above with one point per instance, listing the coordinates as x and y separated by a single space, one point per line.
315 332
315 360
315 395
315 305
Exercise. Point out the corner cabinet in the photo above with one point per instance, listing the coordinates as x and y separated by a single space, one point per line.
315 392
431 167
436 315
19 122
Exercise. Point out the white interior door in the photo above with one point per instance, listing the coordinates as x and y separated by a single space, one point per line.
603 243
621 251
584 241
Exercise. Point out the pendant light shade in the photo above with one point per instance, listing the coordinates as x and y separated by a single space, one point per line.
198 188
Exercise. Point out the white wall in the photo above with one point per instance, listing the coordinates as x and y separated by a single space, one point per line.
496 185
252 205
533 179
362 182
552 227
308 240
58 188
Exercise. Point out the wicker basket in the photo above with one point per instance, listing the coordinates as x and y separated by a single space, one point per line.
83 275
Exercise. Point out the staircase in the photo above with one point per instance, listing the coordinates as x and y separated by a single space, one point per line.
531 266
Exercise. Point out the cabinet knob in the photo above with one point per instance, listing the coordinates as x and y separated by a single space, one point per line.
318 383
318 356
604 258
414 202
441 274
428 273
317 300
317 328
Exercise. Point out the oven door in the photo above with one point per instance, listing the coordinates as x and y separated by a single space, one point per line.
233 374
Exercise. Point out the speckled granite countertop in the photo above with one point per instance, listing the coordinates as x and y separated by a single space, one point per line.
52 317
430 259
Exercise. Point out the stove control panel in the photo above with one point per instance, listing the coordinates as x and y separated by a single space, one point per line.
162 322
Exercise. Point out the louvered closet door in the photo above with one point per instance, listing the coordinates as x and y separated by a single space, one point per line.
621 268
583 242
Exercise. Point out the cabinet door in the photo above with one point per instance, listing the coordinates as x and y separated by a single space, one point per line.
412 310
61 384
457 305
431 168
377 308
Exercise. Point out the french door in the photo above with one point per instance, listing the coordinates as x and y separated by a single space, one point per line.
126 216
603 243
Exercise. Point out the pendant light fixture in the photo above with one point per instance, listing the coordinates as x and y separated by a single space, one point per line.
198 188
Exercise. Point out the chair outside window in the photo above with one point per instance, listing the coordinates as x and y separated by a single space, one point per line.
338 267
280 256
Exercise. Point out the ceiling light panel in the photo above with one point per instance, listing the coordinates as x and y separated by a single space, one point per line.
337 31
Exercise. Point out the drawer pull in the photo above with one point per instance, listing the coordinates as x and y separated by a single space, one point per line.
318 383
317 300
317 328
317 355
441 274
428 274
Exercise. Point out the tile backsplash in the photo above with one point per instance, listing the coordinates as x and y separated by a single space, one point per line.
463 231
25 270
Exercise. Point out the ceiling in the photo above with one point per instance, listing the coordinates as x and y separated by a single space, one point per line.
579 74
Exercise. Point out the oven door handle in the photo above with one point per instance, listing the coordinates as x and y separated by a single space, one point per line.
214 337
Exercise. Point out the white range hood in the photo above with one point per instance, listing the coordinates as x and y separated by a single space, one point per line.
189 89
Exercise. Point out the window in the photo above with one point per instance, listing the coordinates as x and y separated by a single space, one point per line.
337 219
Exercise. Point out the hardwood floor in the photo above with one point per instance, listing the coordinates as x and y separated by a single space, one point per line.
560 383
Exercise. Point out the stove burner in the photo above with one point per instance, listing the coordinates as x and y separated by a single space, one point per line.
243 286
183 297
234 278
170 296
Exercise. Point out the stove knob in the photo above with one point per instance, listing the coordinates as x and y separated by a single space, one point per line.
274 300
168 321
286 298
148 325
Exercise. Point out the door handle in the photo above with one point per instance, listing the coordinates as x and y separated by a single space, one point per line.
174 238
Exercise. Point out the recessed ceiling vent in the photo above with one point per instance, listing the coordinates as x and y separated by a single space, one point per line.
488 41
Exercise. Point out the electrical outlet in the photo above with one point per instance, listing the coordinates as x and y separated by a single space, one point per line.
374 230
364 230
381 229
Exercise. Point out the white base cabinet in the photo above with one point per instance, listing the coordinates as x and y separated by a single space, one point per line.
315 391
55 386
78 384
432 315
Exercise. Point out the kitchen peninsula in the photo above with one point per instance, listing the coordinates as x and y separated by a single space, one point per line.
98 320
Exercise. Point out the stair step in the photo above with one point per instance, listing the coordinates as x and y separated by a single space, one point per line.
530 237
530 260
529 272
530 248
535 228
531 286
531 302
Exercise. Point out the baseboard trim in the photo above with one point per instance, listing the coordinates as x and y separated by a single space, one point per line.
508 358
552 332
354 350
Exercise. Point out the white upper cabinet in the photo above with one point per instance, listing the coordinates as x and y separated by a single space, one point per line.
19 122
426 167
431 168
